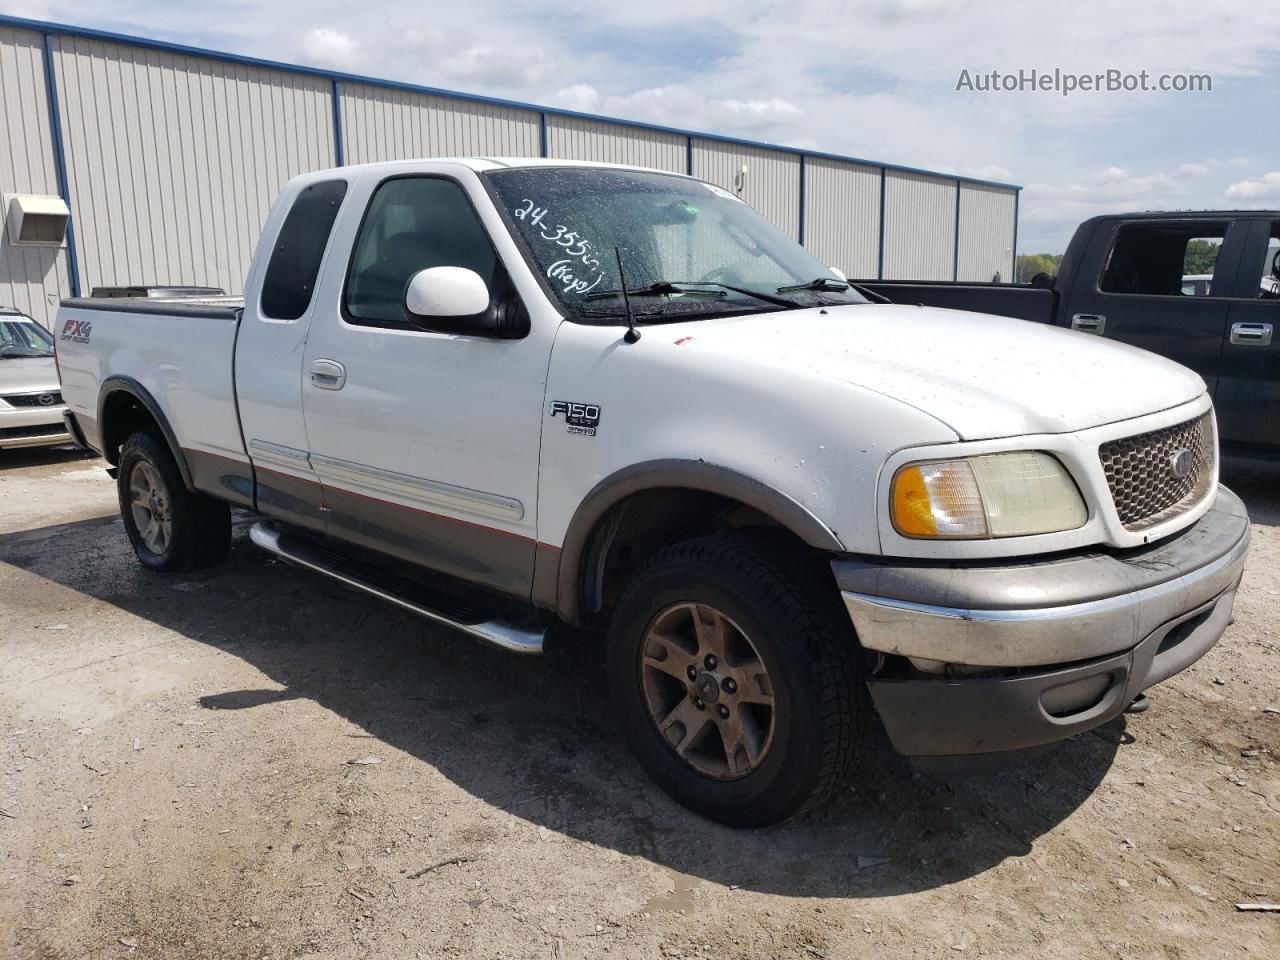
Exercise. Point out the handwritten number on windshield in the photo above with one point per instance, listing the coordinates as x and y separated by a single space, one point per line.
575 245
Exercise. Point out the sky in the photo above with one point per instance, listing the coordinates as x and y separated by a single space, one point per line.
868 78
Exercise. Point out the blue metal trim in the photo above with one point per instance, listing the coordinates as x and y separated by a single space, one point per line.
801 230
542 134
688 158
339 144
884 173
955 250
71 31
60 162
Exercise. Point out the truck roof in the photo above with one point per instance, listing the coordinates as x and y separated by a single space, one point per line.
478 164
1185 214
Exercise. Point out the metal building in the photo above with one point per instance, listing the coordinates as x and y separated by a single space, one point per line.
164 160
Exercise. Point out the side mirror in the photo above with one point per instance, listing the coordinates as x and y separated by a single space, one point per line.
457 300
445 292
839 274
1043 281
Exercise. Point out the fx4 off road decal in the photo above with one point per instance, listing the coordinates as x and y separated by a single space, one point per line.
77 330
581 418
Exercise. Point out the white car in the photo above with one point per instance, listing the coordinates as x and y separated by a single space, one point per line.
502 393
31 404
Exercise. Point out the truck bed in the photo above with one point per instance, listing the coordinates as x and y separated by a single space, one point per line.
1019 300
179 352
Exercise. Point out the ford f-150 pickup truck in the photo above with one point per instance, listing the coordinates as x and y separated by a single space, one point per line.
506 393
1126 277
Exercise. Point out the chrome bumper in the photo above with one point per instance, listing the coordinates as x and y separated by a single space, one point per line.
1048 611
998 668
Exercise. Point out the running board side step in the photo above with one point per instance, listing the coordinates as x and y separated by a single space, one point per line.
403 593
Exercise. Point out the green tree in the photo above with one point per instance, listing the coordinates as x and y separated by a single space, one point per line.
1029 264
1201 256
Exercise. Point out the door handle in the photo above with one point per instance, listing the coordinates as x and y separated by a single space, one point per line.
1251 334
1089 322
328 374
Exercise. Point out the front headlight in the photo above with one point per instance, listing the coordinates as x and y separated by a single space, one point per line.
994 495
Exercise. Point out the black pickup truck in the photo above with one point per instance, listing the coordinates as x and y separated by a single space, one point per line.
1128 277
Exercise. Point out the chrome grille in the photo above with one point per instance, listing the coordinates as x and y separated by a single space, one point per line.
1141 473
50 398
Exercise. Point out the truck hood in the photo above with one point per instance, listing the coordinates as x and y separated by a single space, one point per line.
983 376
26 374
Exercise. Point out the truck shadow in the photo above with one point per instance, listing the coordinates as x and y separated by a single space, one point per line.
535 737
42 456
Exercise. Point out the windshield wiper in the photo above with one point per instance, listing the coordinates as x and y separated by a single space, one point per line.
759 295
822 283
662 288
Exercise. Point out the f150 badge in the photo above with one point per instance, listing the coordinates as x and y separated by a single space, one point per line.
581 418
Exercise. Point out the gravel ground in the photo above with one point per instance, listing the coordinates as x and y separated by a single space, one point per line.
249 762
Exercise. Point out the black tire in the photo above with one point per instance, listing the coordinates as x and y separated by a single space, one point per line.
787 607
199 526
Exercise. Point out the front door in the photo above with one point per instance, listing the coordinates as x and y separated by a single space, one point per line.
426 443
1248 396
1156 284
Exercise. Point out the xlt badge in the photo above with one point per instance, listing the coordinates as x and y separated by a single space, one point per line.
581 418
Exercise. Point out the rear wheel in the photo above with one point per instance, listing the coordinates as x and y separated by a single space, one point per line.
170 527
736 679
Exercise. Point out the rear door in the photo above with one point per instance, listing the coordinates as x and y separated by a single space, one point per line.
279 302
1134 287
1248 396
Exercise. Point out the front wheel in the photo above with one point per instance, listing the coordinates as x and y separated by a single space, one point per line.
170 528
737 679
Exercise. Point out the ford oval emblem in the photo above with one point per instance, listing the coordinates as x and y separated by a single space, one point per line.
1180 464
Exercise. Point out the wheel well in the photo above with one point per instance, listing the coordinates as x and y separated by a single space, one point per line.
645 522
124 414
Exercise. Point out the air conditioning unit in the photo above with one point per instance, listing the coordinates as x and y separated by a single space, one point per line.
36 221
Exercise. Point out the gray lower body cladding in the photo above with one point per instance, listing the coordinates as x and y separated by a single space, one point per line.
1040 651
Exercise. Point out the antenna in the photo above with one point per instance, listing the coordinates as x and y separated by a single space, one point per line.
632 334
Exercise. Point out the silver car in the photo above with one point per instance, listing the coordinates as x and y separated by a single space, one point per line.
30 396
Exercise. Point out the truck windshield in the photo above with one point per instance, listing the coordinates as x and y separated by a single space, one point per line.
687 248
21 337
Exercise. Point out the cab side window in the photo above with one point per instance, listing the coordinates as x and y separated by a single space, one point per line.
412 223
1164 259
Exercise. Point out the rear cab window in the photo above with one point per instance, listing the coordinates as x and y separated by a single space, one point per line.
299 248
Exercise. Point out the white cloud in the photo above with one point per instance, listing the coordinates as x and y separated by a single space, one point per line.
1266 187
1197 169
325 46
582 97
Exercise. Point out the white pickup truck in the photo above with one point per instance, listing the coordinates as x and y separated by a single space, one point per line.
503 393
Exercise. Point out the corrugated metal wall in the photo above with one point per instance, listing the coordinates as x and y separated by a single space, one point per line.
771 183
381 123
31 278
919 227
575 138
842 215
173 158
987 216
173 161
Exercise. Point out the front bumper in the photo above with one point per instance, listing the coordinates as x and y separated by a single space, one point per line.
34 427
1008 657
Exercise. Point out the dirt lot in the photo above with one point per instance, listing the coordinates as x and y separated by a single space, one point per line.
180 778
